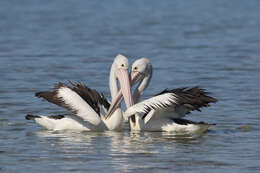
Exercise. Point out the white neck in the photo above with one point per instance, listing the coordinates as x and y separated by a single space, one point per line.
115 122
135 121
142 86
113 82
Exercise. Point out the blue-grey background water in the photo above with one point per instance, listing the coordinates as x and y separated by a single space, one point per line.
213 44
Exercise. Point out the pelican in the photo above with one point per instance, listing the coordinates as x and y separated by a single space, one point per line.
164 111
88 107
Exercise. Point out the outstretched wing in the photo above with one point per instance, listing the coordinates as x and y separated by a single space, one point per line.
78 99
174 103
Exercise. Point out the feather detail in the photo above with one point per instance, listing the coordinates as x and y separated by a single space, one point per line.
78 99
178 101
158 102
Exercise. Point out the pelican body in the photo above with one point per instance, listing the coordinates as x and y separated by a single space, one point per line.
88 107
164 111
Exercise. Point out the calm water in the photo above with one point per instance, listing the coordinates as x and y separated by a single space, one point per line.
214 44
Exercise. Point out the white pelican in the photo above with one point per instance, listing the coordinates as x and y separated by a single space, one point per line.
88 106
164 111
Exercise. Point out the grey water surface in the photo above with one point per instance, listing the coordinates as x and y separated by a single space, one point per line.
213 44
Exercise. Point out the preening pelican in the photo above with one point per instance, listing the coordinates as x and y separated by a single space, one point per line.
164 111
88 107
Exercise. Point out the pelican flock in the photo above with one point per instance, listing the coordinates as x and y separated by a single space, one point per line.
91 110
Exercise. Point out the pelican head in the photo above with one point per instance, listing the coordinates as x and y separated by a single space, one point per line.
141 69
120 69
121 62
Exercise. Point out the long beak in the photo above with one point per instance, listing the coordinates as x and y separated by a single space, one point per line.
135 77
125 91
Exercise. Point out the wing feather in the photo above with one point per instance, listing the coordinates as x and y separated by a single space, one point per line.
79 99
162 101
175 103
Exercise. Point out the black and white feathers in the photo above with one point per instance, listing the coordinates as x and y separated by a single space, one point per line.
177 102
78 99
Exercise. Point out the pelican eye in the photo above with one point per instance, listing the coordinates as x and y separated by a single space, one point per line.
135 68
122 65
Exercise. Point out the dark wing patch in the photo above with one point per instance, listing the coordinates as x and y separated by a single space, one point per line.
192 98
91 96
31 117
56 117
52 97
146 112
182 121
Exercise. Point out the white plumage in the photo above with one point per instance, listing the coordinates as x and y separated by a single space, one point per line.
83 109
163 102
87 106
164 112
67 122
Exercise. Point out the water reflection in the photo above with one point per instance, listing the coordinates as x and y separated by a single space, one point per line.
119 150
115 140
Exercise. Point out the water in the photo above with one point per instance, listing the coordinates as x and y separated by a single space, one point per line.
213 44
